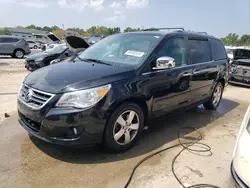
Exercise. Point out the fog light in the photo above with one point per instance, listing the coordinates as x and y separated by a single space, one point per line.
75 130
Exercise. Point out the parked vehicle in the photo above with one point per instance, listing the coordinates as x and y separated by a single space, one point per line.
14 46
39 60
241 156
95 38
230 52
116 85
240 67
34 45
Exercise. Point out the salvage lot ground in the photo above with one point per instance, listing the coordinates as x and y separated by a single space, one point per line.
28 162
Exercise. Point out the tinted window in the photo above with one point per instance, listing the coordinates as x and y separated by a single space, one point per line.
174 48
10 40
218 50
199 51
1 39
30 42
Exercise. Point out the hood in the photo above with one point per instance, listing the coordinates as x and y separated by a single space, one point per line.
75 41
39 55
241 54
69 76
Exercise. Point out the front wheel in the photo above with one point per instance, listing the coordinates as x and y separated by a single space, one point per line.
35 47
215 99
124 127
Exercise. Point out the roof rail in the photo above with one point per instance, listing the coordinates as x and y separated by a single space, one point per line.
165 28
205 33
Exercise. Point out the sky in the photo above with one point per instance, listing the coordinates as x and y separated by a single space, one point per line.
216 17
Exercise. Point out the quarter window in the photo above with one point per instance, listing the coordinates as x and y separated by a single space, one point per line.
199 51
174 48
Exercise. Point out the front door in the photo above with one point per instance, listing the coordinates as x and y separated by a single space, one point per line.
170 88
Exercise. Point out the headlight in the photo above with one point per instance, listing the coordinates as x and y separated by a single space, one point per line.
84 98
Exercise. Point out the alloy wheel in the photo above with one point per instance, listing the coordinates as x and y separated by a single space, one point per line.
126 127
217 95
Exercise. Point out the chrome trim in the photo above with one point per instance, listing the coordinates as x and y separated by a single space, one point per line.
36 100
146 73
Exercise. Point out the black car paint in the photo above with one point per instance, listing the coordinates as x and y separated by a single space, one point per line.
31 63
157 92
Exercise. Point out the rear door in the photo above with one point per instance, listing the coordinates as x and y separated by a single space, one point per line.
204 69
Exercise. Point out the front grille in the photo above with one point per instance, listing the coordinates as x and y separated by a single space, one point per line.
34 98
35 126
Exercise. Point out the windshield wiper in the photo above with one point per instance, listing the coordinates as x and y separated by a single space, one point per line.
95 61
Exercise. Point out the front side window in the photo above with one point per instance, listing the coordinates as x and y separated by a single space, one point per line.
199 51
176 49
122 49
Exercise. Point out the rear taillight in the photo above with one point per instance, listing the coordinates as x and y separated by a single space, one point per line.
26 44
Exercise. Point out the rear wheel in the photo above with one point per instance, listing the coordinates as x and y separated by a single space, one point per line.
215 99
35 47
18 53
124 127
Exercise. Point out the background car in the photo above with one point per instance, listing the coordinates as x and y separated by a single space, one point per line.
241 155
38 60
240 67
14 46
95 38
34 45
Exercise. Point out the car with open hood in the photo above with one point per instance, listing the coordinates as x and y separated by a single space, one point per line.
74 44
240 67
109 92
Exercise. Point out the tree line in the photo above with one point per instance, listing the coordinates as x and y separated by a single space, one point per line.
232 39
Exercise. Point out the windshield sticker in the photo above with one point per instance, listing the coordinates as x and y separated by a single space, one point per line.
134 53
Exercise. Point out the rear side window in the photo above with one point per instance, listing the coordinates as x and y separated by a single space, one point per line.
199 51
218 50
9 40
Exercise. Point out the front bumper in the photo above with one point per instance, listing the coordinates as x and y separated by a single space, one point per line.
237 178
55 125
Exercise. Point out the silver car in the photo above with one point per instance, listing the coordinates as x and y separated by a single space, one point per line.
14 46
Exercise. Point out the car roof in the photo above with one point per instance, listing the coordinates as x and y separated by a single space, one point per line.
164 33
10 36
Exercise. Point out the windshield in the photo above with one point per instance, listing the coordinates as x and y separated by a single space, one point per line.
242 54
58 49
122 49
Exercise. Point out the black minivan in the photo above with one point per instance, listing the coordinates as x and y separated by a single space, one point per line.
113 88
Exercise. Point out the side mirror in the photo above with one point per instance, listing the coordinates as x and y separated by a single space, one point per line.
164 62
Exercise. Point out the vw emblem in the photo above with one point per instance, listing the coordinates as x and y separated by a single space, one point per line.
28 95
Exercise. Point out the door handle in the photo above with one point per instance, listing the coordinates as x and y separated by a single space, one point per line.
187 74
197 72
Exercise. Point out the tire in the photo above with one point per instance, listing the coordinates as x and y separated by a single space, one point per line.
121 136
215 99
35 47
18 54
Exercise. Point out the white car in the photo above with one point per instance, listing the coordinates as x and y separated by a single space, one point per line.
34 45
240 167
